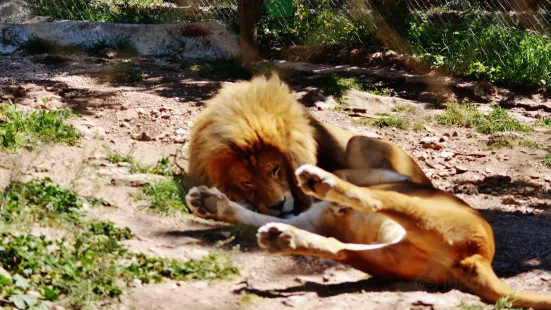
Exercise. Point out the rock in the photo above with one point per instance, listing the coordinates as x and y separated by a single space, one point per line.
443 139
136 180
140 111
136 283
143 136
447 134
373 104
529 190
447 154
481 91
127 115
455 134
429 139
432 145
328 104
179 139
181 131
468 188
460 169
526 103
470 177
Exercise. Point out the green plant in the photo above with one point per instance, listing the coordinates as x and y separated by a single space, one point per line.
87 265
166 197
25 128
37 45
497 120
39 202
544 122
386 120
403 108
547 160
481 47
512 142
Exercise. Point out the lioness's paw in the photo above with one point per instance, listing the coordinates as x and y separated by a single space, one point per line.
276 237
206 202
315 181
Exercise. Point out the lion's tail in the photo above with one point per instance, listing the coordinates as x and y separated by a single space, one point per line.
477 274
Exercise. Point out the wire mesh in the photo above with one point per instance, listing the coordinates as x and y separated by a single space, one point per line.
494 39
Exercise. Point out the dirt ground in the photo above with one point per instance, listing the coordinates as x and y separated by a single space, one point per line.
152 118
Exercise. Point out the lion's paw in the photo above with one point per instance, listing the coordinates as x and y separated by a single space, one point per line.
315 181
206 202
277 237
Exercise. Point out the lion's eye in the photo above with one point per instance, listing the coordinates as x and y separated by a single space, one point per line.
275 171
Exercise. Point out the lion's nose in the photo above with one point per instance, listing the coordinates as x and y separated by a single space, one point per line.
278 206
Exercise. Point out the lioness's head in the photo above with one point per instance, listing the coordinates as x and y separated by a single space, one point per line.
249 140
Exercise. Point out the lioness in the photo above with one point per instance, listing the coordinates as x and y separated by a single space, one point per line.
257 147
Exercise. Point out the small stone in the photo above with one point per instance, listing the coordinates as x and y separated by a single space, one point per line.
165 116
140 111
443 139
447 134
447 154
455 134
432 145
143 136
461 169
181 131
136 283
470 177
528 190
180 139
429 139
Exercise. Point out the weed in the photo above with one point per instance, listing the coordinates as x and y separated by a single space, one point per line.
510 141
88 264
135 74
36 45
463 305
166 197
116 158
476 46
547 160
403 108
248 298
39 201
497 120
544 122
418 127
386 120
163 167
23 129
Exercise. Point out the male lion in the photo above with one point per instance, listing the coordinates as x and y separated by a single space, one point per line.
379 212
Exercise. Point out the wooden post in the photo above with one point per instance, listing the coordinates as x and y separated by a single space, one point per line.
248 37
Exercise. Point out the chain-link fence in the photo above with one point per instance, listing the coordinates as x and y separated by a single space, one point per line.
500 40
139 11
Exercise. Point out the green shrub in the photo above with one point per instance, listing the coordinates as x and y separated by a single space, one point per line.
23 128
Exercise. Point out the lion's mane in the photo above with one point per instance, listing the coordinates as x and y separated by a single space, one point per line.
244 118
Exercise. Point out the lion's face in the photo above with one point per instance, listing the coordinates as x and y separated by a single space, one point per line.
262 182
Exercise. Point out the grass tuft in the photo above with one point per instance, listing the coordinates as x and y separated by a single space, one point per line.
387 120
166 197
547 160
26 128
88 265
39 201
512 142
497 120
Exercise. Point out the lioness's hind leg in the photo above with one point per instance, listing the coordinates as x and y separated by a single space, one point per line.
286 239
326 186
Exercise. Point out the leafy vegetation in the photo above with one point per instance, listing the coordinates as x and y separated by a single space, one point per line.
497 120
483 48
39 202
20 128
510 141
547 160
386 120
163 166
333 84
166 197
87 265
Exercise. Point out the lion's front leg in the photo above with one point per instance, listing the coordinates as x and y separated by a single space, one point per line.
212 204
